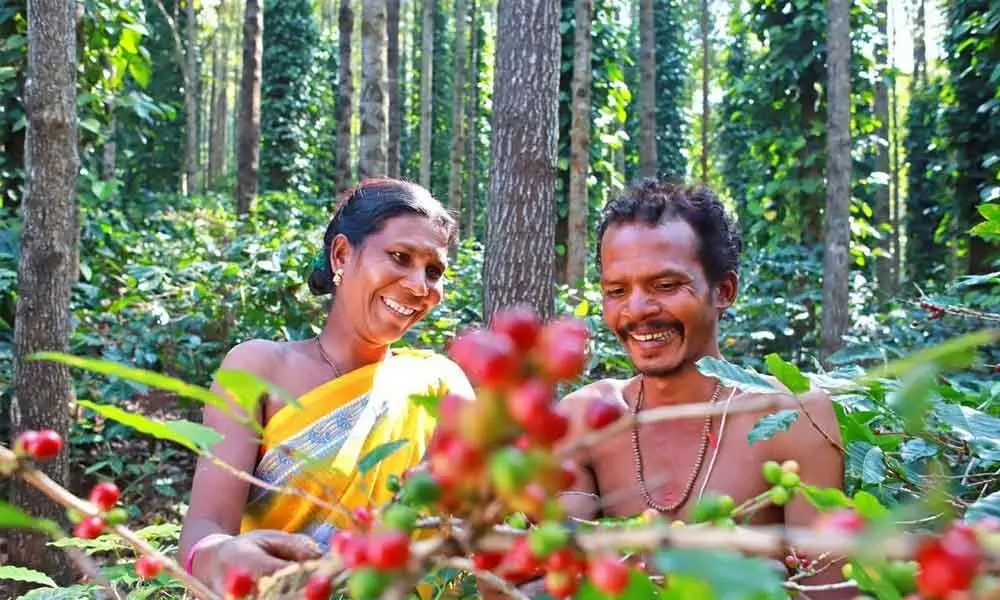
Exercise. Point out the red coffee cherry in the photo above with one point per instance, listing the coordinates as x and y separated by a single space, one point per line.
601 412
609 574
521 324
319 587
389 551
148 567
89 528
40 445
487 358
104 495
948 563
486 560
239 582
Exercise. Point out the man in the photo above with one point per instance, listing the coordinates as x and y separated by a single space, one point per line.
668 258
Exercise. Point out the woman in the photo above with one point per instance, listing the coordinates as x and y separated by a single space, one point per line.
383 258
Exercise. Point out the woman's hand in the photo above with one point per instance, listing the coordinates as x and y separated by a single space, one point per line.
259 552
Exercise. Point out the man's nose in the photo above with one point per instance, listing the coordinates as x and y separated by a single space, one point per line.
641 306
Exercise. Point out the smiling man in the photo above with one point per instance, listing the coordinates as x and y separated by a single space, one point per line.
668 258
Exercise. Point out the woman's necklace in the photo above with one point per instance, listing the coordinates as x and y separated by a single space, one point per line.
638 455
326 357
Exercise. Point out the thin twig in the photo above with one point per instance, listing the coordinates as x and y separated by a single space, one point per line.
802 406
61 495
277 488
494 580
825 587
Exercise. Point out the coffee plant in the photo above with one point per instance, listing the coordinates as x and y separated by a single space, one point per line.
483 506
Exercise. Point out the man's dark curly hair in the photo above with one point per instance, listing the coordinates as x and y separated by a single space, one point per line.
653 202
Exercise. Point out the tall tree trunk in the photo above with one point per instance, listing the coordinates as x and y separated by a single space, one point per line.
426 98
374 138
48 266
579 147
647 90
392 62
248 123
838 174
473 121
457 106
191 101
894 143
220 105
705 108
520 250
882 213
345 96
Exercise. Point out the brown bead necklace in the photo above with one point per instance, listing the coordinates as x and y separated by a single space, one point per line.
706 432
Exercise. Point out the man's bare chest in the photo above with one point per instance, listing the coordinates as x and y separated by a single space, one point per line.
675 463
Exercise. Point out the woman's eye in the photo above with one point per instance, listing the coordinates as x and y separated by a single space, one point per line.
399 257
614 292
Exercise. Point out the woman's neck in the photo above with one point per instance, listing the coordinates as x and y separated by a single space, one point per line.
346 348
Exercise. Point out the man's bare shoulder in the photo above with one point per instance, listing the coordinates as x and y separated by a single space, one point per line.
576 401
816 422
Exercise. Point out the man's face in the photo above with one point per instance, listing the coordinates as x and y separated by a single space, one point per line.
395 278
656 296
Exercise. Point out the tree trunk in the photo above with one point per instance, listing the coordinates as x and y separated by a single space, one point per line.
647 90
520 234
705 109
579 147
374 138
426 98
457 123
248 124
838 173
473 121
220 105
345 97
49 264
882 214
191 102
392 62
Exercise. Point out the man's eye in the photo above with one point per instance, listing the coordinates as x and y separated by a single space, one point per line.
434 273
399 257
614 292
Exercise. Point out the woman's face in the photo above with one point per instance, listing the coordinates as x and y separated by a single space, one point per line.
394 278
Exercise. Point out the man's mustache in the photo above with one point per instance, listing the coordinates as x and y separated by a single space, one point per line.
650 325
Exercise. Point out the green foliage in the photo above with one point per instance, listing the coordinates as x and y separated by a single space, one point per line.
973 119
290 42
13 32
673 85
441 94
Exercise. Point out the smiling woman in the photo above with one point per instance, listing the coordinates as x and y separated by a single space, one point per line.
383 257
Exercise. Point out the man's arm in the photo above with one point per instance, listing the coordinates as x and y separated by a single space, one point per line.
814 442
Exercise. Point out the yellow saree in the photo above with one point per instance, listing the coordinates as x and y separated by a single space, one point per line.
333 427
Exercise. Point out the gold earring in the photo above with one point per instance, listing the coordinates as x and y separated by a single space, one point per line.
338 277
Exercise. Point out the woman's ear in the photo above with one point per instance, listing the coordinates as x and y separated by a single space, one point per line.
341 252
725 290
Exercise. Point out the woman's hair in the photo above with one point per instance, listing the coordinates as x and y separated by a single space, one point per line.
365 209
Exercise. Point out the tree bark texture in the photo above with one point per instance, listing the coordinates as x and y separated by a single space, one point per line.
520 250
838 172
190 100
473 120
579 146
392 62
882 213
455 188
374 137
647 90
345 97
248 123
426 98
49 263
